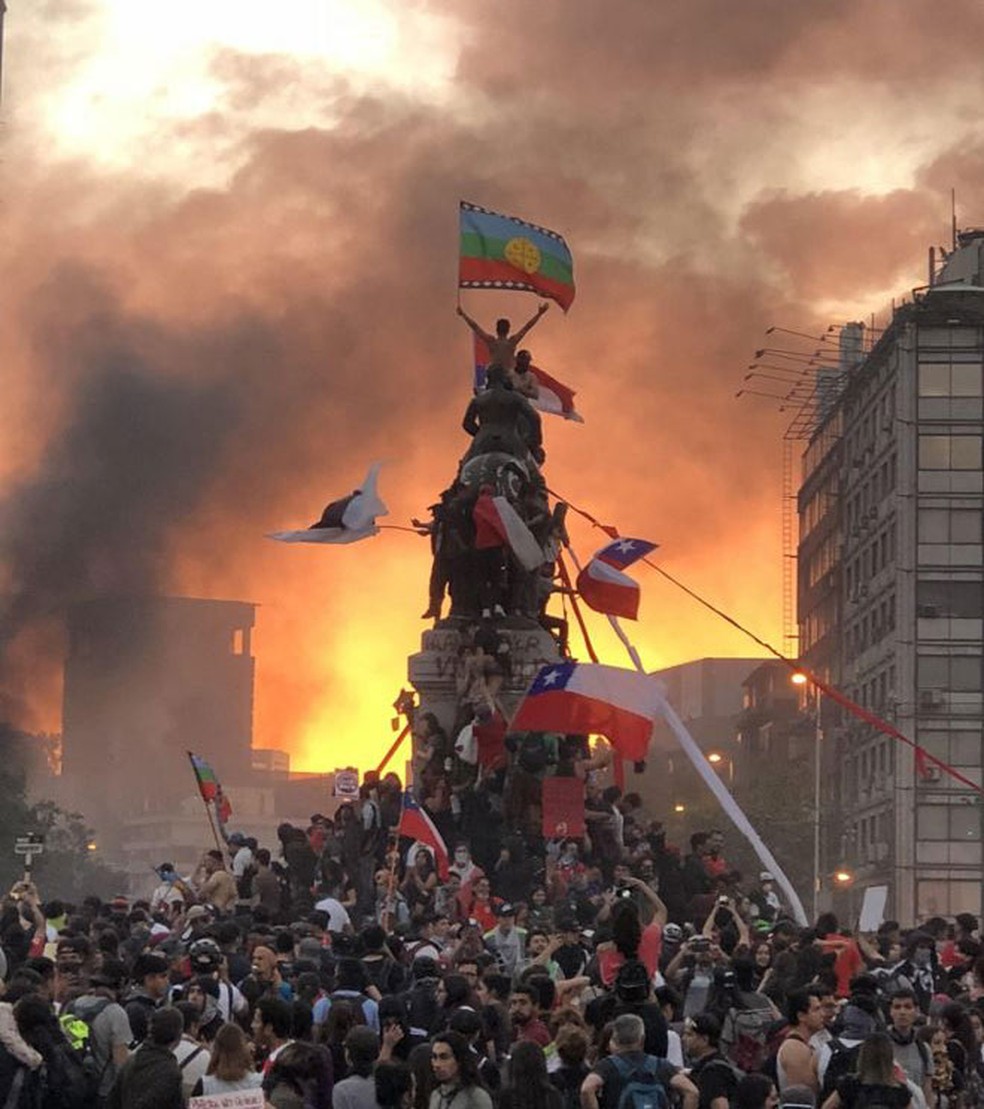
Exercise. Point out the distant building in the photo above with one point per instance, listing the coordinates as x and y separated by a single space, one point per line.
708 696
890 597
146 680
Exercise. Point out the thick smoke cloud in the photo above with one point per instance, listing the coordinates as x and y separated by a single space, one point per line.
189 366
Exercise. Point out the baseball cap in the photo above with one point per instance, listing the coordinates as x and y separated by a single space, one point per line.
505 909
766 876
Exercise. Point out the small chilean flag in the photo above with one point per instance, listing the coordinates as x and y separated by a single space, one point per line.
416 824
608 590
623 552
588 698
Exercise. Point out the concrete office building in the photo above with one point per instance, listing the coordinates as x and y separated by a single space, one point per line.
889 594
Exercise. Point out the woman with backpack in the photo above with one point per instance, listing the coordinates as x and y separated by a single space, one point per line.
876 1083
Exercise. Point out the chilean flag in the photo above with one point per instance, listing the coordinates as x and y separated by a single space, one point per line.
587 698
623 552
416 824
555 398
608 590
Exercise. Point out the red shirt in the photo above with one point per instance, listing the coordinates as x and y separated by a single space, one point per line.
649 949
535 1031
848 961
490 739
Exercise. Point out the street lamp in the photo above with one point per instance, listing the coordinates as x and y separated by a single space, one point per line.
719 761
798 678
679 808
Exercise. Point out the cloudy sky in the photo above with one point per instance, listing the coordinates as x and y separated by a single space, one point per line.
228 247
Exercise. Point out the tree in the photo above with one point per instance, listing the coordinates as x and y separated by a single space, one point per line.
68 868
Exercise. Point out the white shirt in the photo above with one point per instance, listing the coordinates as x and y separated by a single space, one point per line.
338 918
197 1057
241 860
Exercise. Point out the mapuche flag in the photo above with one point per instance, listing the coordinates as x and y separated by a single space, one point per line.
209 788
588 698
502 252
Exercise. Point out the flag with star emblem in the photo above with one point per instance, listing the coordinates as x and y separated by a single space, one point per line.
623 552
592 699
415 824
608 590
502 252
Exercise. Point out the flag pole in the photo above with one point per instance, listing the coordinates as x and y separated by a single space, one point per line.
710 778
208 811
394 747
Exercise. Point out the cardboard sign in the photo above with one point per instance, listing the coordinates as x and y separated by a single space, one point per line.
563 807
238 1099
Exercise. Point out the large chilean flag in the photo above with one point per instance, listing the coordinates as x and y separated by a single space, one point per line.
416 824
589 698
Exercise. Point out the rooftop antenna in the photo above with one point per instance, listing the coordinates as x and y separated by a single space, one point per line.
953 218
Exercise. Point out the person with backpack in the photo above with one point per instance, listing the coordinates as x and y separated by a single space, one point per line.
99 1029
839 1056
876 1084
747 1017
631 1079
716 1079
632 994
151 1077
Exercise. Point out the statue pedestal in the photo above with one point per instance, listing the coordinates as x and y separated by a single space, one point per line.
434 670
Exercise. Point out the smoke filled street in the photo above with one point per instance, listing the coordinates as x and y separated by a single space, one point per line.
491 555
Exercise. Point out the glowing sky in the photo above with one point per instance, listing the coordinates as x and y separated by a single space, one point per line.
251 209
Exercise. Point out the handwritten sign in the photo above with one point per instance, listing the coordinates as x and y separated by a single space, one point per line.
237 1099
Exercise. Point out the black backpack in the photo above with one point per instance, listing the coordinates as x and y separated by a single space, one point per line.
843 1061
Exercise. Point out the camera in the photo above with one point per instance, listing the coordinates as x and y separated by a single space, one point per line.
700 943
623 891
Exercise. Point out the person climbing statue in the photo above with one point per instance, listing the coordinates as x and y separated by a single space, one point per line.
502 345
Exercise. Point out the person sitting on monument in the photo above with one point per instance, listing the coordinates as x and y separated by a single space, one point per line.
522 377
502 345
502 421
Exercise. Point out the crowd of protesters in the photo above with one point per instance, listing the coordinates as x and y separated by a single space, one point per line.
605 972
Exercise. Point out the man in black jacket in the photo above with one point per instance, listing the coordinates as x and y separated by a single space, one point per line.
151 1077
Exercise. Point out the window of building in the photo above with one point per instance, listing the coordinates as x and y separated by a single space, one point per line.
950 525
959 673
956 599
948 822
944 379
943 897
949 452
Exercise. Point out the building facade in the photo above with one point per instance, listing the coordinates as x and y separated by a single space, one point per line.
146 680
890 598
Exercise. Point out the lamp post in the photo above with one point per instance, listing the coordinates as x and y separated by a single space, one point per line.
801 679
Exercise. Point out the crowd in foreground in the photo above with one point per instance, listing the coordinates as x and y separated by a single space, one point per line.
537 976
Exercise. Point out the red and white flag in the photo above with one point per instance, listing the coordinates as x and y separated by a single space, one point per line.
416 824
608 590
555 399
591 699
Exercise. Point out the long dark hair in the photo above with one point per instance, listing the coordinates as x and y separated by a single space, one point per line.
466 1059
956 1019
528 1086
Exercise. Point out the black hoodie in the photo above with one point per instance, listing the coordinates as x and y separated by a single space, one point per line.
149 1079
